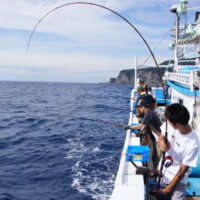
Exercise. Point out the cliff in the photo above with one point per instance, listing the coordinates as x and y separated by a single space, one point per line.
149 75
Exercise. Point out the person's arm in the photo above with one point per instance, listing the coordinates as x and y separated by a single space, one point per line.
139 126
180 174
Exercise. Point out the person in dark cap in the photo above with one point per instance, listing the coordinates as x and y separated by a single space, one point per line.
150 126
147 97
150 119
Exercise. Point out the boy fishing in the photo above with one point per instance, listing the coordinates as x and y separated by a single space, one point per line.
182 148
150 126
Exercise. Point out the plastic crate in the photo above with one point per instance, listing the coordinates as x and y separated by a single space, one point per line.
138 153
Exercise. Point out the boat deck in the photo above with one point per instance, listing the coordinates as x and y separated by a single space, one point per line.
128 184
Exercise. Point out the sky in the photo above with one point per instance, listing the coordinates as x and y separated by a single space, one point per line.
81 43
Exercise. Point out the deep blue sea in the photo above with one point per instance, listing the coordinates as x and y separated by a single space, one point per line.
49 151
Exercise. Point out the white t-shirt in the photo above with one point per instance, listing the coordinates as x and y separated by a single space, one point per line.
184 150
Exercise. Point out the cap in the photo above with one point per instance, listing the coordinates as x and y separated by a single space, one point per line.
143 102
149 98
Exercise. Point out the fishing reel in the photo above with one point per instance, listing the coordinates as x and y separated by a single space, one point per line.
168 161
138 133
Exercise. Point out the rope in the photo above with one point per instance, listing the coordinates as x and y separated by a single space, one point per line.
156 47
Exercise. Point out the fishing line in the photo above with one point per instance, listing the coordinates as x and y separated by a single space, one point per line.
112 108
101 121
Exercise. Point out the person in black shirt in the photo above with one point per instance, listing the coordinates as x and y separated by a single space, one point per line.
150 126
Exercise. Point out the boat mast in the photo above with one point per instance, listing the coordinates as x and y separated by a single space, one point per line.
180 9
176 36
176 41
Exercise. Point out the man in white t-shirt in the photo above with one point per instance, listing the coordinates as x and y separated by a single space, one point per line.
182 149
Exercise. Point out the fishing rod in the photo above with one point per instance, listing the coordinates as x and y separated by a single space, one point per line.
162 162
101 121
98 5
139 132
119 15
114 12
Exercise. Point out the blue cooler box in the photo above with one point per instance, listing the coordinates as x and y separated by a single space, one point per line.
138 153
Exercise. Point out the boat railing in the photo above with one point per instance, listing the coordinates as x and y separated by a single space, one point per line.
187 78
183 77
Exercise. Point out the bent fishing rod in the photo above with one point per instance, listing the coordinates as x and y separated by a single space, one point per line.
119 15
114 12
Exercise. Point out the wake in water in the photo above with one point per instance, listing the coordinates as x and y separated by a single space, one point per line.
45 153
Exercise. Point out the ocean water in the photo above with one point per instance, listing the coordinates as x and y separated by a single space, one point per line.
49 150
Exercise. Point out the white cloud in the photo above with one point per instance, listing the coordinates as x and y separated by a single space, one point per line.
72 60
84 29
69 68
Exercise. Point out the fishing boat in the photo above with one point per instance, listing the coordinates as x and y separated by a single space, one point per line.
182 86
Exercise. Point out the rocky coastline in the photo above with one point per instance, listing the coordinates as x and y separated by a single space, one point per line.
148 74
